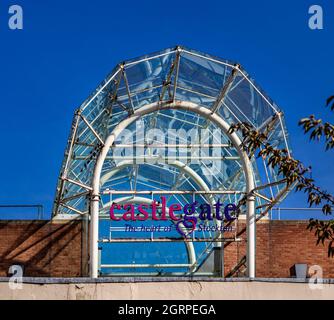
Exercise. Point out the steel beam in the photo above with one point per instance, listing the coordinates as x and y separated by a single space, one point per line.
153 265
151 192
225 89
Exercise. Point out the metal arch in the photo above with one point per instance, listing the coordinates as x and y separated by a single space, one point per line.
180 165
176 163
187 106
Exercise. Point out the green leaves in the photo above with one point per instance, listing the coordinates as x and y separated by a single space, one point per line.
324 232
256 143
323 229
309 123
318 129
327 209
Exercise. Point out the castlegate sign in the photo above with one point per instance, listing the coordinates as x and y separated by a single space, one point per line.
186 218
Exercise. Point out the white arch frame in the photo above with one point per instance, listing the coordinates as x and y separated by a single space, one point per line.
142 200
175 163
204 112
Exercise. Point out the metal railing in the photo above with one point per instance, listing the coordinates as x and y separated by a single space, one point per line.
277 213
21 212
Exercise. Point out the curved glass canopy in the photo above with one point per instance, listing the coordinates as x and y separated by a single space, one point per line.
173 153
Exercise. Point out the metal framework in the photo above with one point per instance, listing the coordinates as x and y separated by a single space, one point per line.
176 89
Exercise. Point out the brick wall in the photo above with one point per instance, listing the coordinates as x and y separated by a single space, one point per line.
57 249
44 248
279 245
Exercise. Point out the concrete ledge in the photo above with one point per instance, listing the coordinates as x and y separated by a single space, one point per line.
45 280
172 290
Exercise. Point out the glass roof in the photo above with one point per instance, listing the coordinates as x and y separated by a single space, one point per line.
174 74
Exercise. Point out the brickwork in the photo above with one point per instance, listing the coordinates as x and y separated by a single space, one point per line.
44 248
279 245
57 249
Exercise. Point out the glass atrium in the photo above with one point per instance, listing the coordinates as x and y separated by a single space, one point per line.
173 153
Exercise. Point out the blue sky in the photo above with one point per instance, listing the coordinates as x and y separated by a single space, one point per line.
67 47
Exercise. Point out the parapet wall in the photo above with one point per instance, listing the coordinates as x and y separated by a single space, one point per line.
43 248
58 248
279 245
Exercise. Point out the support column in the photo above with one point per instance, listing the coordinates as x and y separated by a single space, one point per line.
251 236
94 235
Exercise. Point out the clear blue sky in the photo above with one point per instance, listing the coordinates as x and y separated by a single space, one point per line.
67 47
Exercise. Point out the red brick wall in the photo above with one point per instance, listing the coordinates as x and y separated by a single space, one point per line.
57 249
279 245
44 248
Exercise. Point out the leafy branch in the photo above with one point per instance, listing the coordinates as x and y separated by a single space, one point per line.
255 142
317 129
